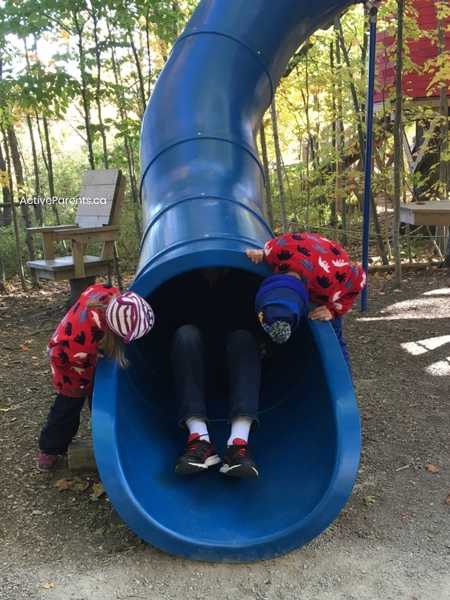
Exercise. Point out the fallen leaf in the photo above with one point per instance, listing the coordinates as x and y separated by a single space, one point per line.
432 468
448 500
49 585
80 486
369 500
97 491
64 484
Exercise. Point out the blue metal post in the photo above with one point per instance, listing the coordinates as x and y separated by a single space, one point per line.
369 143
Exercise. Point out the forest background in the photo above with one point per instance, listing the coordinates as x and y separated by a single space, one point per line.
75 78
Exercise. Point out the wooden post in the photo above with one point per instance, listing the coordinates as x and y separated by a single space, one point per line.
77 287
78 249
81 458
49 245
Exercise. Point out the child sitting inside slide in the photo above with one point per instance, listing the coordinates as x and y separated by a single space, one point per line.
311 269
99 323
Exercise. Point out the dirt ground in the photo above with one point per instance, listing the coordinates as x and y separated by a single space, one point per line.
391 541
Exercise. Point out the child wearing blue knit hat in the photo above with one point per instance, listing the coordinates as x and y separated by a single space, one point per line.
311 269
281 302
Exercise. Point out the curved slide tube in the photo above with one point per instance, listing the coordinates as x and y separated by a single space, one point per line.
202 190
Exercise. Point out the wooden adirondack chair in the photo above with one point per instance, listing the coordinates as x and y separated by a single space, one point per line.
97 219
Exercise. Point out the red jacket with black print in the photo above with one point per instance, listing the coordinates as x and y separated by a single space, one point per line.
324 266
73 348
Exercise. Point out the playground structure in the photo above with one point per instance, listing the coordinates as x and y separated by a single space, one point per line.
202 190
418 89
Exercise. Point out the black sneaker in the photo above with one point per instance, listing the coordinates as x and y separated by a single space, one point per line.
237 461
198 456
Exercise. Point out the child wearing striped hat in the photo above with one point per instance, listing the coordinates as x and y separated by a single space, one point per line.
100 323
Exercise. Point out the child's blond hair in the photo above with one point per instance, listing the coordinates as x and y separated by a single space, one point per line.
112 344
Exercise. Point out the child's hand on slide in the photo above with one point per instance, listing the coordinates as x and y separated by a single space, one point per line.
321 313
256 256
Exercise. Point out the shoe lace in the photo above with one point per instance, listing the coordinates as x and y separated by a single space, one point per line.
196 446
241 451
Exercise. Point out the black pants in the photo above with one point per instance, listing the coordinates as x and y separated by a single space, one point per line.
189 360
336 324
62 424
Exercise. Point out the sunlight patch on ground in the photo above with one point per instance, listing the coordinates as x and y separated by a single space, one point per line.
438 292
431 307
439 368
424 346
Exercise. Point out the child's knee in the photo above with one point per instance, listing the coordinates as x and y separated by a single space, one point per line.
187 336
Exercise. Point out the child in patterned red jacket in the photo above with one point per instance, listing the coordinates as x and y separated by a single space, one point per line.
101 321
331 280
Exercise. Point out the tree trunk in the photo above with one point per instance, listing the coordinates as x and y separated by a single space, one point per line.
37 184
398 141
353 90
276 140
15 157
127 144
342 205
98 88
265 159
149 54
84 90
139 71
37 187
305 97
19 264
6 213
361 139
334 165
444 174
51 178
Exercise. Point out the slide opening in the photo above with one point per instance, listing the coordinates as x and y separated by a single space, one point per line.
296 435
217 300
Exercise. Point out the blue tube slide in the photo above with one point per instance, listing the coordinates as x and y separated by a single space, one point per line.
202 192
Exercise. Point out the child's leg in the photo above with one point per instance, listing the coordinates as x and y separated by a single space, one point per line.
240 429
188 368
337 326
198 428
188 362
244 366
62 424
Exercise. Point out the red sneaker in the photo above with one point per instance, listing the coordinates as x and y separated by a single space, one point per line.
238 461
46 462
198 456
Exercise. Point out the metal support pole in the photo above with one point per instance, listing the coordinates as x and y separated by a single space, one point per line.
373 11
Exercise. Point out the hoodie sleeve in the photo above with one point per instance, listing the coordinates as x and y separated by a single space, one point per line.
345 302
269 252
280 251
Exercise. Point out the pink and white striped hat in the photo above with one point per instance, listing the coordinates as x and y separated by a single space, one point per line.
130 316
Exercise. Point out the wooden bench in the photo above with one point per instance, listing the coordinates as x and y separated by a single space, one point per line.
433 212
101 198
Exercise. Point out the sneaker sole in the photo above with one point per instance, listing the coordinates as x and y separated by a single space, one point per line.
189 468
240 471
46 469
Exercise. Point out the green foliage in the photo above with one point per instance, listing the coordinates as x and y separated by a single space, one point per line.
7 251
63 59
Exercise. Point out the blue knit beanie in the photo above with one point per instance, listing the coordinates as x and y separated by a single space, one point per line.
281 302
